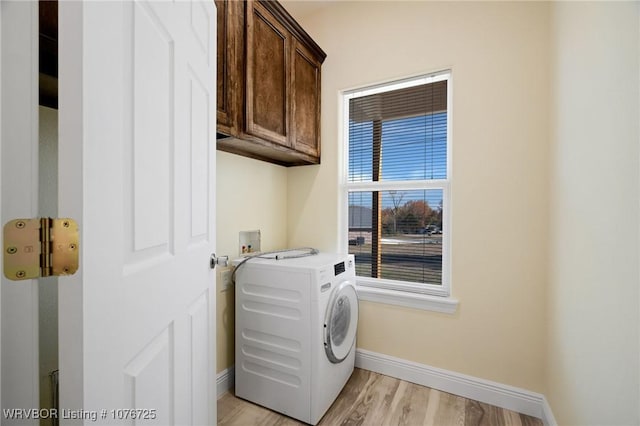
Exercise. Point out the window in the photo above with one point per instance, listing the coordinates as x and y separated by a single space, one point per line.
396 184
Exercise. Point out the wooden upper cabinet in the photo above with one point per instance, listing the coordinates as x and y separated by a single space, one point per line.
268 84
268 77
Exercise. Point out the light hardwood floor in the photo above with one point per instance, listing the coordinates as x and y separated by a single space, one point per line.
373 399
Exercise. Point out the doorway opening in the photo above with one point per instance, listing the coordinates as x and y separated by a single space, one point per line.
48 200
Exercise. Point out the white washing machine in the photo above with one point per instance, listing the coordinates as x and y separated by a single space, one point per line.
296 325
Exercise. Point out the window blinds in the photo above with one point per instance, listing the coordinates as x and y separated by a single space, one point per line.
398 136
404 131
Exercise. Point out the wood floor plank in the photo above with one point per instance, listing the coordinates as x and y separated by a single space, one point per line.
381 397
432 407
228 407
245 414
411 407
530 421
451 410
365 402
416 410
373 399
345 401
275 419
492 415
390 416
511 418
473 413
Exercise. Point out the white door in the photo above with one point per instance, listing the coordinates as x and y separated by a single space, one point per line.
19 165
137 171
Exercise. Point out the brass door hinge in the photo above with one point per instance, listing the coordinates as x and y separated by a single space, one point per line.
40 248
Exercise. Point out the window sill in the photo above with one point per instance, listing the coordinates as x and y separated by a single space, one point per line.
425 302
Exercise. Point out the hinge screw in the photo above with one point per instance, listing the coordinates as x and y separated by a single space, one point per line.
65 270
20 224
20 274
65 223
72 246
12 250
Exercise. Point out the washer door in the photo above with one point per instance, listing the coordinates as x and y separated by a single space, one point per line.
340 322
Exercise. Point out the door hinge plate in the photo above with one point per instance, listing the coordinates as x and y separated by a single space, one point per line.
40 248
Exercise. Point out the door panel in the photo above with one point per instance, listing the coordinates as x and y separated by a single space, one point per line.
19 170
148 381
146 95
199 335
200 156
148 138
151 138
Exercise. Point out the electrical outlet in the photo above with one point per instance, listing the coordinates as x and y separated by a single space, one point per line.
225 279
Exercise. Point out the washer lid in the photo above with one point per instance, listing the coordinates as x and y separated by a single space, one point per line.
341 321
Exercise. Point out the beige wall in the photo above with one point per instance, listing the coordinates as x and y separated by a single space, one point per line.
499 57
593 299
250 195
545 192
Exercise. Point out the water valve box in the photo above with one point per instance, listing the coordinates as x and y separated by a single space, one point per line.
249 242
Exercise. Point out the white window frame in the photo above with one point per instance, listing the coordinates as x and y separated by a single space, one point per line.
415 295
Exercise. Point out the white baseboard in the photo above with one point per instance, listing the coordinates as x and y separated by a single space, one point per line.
547 415
500 395
225 381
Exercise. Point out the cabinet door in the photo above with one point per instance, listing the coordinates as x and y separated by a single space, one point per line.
268 78
230 38
305 95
